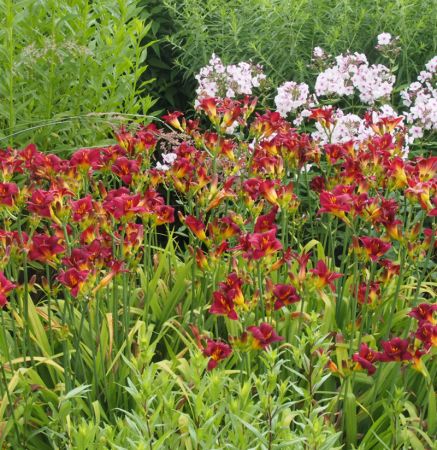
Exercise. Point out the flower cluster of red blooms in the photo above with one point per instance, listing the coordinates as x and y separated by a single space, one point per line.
76 225
255 175
398 349
89 215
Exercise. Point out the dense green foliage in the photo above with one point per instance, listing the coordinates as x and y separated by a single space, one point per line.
280 34
62 62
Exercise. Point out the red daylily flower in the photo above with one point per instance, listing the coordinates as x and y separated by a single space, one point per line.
232 288
40 202
146 138
164 214
324 276
285 294
433 212
152 200
181 168
231 110
427 333
218 251
427 168
365 358
288 200
5 287
209 106
424 311
252 188
258 245
389 208
121 204
217 351
10 163
318 184
336 204
302 261
173 119
420 192
417 362
263 336
373 292
40 164
8 193
45 248
267 190
322 115
395 349
73 279
272 165
223 229
134 234
391 269
81 208
80 259
386 124
90 234
394 229
223 305
125 140
201 259
428 232
115 267
84 159
374 247
125 168
396 173
221 195
266 124
334 152
266 222
196 226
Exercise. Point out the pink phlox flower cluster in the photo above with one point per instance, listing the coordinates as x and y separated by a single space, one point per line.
219 80
291 96
351 75
373 82
421 99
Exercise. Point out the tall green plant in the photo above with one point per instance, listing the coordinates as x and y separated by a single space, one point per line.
65 63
